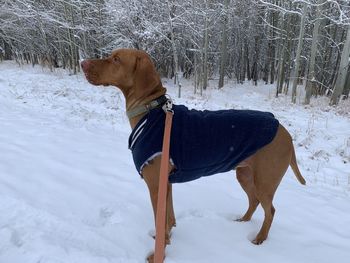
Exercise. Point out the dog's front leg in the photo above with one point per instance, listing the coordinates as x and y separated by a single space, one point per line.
170 208
151 175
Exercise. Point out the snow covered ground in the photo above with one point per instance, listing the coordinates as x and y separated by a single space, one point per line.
69 191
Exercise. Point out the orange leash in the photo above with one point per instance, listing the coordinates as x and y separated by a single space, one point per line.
159 251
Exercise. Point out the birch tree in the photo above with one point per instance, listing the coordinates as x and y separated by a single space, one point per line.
347 85
311 77
173 46
205 46
223 49
196 39
298 54
343 70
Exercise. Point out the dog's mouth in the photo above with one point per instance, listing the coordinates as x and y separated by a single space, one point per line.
95 82
91 78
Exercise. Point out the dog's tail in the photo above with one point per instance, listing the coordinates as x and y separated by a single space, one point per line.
295 168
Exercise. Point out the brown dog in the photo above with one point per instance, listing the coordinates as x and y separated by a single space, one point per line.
133 72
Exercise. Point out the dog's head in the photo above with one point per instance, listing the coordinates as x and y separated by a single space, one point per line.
130 70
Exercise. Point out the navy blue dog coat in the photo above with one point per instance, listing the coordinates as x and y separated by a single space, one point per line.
202 142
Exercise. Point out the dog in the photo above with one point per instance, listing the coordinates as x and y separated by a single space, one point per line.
258 147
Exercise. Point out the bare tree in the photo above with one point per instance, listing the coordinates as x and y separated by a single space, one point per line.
343 70
199 39
223 49
205 46
298 54
311 77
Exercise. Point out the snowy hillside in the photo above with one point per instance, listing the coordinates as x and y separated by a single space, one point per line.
69 191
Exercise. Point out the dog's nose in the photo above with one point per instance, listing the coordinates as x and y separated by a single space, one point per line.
85 64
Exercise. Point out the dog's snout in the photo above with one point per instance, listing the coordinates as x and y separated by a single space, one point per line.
85 64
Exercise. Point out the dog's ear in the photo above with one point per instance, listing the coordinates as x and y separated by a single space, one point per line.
146 76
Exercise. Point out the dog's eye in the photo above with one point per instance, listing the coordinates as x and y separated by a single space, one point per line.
116 59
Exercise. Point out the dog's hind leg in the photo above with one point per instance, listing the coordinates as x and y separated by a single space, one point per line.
266 183
269 210
271 163
246 179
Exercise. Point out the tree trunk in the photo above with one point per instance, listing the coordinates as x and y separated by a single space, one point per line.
72 62
196 77
335 66
85 53
255 64
173 46
206 44
311 77
8 51
273 47
223 58
249 77
288 52
347 85
298 54
283 55
343 69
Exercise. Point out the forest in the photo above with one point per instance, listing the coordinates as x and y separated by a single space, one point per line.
280 42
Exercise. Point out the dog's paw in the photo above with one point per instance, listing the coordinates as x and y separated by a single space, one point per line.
258 240
152 233
172 223
242 219
167 237
150 258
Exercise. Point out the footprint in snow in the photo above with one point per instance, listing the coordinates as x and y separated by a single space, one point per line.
108 216
16 238
12 235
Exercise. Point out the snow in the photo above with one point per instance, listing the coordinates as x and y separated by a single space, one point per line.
69 191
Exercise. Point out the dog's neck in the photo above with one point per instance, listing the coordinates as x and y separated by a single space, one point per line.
133 102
